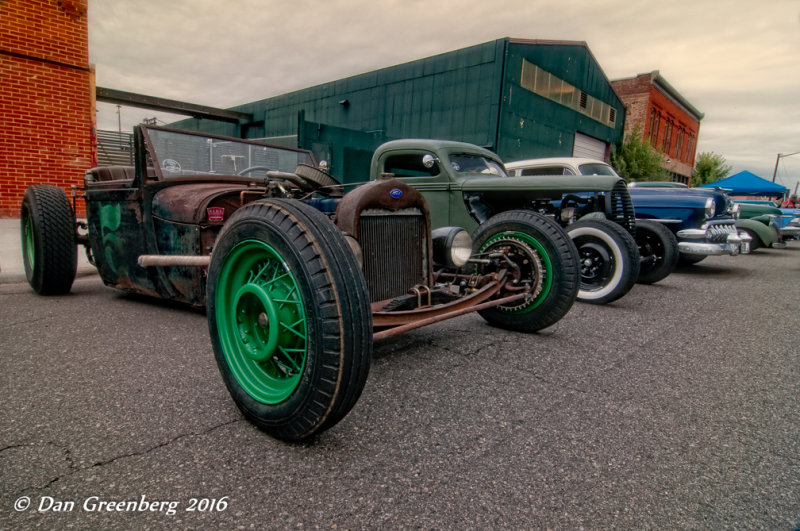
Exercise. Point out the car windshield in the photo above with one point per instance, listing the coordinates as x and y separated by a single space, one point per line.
595 168
464 163
180 154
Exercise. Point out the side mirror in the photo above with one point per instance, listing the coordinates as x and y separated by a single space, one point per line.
429 161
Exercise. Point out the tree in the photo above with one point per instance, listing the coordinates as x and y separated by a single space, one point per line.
636 160
708 168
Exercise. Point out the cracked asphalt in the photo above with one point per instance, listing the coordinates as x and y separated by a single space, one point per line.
672 408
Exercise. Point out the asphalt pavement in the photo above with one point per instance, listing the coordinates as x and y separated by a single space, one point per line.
672 408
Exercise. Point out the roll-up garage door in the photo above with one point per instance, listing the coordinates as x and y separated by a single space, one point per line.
589 147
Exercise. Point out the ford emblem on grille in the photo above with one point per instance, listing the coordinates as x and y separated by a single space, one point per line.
396 193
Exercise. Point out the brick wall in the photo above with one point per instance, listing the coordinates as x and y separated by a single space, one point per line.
676 131
46 93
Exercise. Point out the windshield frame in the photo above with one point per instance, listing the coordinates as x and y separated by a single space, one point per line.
153 161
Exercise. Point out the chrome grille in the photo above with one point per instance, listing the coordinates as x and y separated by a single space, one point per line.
619 207
395 251
719 231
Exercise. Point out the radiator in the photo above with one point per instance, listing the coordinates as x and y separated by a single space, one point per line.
395 251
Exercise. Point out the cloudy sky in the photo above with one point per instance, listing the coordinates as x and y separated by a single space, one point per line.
737 61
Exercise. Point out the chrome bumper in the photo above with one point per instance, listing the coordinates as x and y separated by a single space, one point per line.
717 239
790 230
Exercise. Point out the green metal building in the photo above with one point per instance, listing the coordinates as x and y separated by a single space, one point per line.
519 98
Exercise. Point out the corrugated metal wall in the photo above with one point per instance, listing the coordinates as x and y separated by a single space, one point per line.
533 126
472 95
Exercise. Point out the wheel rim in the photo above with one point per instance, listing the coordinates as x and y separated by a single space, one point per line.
534 263
651 251
261 322
30 252
596 265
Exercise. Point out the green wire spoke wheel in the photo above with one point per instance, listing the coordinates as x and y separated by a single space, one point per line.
289 318
546 260
262 322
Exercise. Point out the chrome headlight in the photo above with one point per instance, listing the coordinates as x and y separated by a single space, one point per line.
710 208
452 246
735 211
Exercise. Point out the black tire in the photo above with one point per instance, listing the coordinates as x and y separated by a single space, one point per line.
690 259
546 253
609 260
49 249
658 249
302 375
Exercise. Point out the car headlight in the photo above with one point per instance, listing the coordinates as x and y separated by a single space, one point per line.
452 246
735 211
710 208
356 248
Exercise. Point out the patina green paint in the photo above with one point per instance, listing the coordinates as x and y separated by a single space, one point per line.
110 218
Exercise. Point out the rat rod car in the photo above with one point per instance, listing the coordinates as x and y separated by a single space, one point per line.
297 277
468 186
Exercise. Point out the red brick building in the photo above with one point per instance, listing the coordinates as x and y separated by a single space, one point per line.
46 97
665 118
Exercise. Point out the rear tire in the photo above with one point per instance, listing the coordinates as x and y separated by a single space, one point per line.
539 245
49 249
658 249
609 260
289 318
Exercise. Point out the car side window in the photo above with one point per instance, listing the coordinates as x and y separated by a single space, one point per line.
409 165
547 170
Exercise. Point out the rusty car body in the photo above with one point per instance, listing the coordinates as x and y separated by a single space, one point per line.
297 277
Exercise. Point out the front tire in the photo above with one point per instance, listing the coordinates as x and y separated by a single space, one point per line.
289 318
49 249
544 254
658 249
609 260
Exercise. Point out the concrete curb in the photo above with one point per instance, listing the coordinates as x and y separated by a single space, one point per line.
12 269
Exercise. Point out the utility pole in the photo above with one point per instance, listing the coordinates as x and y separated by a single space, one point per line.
777 160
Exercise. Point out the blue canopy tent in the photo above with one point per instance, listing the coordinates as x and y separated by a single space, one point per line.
746 183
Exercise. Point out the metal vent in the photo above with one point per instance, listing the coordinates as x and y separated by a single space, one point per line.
395 251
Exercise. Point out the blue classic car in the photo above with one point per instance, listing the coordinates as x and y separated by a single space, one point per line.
702 220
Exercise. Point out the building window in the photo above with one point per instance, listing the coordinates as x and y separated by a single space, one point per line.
655 123
555 89
679 143
689 149
668 123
